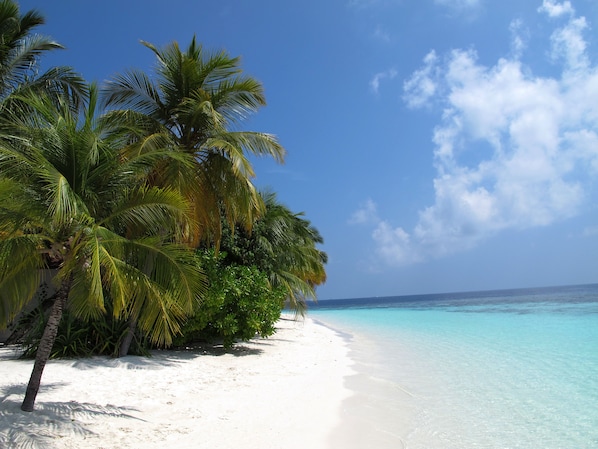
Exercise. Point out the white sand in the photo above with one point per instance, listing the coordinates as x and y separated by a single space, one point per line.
283 392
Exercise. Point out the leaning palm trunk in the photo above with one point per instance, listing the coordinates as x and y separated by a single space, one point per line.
125 345
45 345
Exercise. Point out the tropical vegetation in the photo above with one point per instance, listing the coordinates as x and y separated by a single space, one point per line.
239 304
135 202
192 104
73 205
283 245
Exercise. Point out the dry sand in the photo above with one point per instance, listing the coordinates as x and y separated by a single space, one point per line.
283 392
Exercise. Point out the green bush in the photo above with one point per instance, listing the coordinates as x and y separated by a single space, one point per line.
238 305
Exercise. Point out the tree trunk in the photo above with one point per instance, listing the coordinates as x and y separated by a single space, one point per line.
45 346
126 343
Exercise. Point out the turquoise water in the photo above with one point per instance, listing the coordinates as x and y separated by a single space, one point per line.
506 369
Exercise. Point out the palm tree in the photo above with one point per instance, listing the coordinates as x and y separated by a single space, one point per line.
20 50
284 245
195 101
71 203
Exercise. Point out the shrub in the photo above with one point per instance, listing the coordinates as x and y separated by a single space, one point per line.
239 304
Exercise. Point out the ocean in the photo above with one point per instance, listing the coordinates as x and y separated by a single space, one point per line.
495 369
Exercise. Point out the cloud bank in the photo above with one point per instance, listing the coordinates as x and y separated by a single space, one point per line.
513 150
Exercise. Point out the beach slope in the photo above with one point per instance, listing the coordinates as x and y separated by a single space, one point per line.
282 392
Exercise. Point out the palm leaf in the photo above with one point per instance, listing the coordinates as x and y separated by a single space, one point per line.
20 274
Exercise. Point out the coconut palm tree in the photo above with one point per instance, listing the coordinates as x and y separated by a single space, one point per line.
197 101
73 205
20 50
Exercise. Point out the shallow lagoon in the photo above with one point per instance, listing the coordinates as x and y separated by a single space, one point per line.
505 369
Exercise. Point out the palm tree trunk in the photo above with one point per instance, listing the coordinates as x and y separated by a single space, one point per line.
126 343
45 346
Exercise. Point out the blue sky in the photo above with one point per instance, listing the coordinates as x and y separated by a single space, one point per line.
438 145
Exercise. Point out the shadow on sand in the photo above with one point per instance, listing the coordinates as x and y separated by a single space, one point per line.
44 426
193 350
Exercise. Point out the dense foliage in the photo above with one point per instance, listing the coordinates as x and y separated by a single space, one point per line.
110 191
283 245
238 305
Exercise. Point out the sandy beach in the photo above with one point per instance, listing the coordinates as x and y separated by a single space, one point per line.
283 392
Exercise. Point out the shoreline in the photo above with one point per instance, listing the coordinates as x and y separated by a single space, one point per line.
379 412
287 391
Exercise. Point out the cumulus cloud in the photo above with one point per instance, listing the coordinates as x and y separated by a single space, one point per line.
513 150
378 77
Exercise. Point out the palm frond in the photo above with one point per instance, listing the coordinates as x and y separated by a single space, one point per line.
21 60
238 98
133 90
20 273
164 285
256 143
149 209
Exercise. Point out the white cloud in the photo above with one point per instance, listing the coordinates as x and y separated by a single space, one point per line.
519 38
394 245
568 44
422 85
554 9
378 77
513 150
